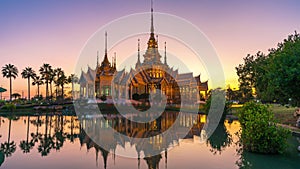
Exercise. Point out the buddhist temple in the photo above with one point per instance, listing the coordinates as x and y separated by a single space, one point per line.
148 76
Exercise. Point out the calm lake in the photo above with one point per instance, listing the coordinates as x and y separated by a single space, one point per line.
60 142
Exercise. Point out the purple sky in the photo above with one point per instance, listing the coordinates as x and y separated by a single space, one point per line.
34 32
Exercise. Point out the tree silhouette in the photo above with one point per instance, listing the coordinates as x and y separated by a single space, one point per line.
73 79
46 71
38 81
10 71
28 73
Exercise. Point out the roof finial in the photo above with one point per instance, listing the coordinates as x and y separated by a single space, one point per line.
152 26
165 53
105 60
105 42
139 48
97 58
138 63
115 60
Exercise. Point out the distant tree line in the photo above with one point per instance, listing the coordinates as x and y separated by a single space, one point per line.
48 76
272 77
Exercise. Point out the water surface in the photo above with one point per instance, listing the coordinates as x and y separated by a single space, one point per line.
59 142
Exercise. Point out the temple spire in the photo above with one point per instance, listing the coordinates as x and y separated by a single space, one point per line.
97 58
152 26
105 43
138 50
115 60
138 63
105 60
152 42
165 53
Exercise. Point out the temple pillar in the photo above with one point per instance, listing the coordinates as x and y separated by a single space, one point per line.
130 92
80 91
87 91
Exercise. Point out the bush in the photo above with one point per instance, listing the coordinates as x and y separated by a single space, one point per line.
259 131
9 106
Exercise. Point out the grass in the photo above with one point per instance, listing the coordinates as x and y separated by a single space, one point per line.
283 114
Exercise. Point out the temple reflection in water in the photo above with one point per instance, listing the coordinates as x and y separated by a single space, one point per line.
49 133
155 142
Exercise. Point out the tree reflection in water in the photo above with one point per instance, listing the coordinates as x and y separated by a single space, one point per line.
59 135
46 140
8 147
36 136
26 145
219 140
73 125
52 131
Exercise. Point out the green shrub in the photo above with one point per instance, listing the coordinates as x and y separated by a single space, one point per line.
9 106
259 131
2 102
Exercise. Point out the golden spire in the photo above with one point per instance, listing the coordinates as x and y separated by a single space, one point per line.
152 42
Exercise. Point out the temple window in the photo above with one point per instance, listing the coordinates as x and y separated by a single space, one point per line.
107 91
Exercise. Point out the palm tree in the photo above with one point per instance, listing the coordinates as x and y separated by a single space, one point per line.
62 81
38 81
45 71
51 79
10 71
73 79
28 73
58 73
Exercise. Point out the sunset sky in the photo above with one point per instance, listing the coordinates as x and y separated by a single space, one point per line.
34 32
